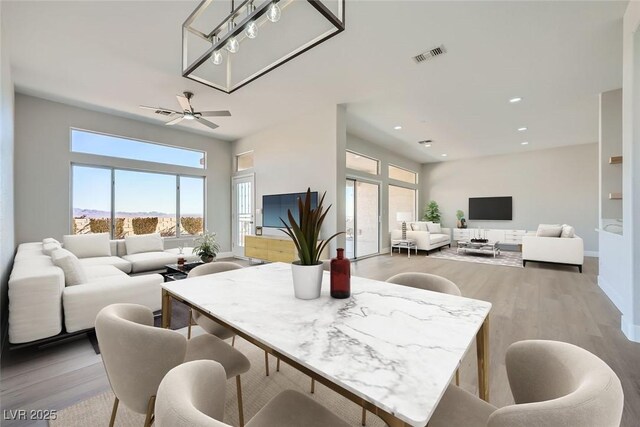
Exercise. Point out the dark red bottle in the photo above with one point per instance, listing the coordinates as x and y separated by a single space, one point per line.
340 276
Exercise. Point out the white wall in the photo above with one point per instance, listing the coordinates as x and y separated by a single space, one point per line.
610 145
386 157
558 185
43 164
7 237
295 155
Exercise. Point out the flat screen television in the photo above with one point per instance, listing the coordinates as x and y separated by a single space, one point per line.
275 206
491 208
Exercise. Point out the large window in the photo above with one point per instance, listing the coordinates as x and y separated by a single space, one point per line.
362 163
125 202
401 174
114 146
402 206
244 161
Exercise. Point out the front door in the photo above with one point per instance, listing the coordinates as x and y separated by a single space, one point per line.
242 209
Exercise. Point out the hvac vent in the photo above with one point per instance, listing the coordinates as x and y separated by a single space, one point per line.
440 50
426 141
164 112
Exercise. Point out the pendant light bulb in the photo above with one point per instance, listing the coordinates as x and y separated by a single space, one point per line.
273 13
233 45
252 30
216 58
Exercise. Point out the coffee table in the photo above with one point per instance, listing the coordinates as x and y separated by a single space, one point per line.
490 248
178 271
408 244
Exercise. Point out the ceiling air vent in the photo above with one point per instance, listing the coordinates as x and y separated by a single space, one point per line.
164 112
440 50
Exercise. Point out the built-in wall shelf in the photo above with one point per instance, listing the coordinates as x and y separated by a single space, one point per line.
615 160
615 196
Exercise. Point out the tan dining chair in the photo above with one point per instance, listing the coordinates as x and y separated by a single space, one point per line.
553 384
137 355
193 395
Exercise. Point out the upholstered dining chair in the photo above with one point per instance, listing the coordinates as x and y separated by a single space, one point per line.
211 326
193 395
137 355
553 384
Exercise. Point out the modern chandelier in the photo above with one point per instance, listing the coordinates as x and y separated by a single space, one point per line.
229 50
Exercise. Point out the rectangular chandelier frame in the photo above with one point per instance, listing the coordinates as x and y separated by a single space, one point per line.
217 42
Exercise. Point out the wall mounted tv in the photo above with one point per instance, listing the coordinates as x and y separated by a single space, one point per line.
491 208
275 206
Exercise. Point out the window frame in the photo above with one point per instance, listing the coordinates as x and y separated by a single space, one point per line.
415 174
415 200
355 153
237 158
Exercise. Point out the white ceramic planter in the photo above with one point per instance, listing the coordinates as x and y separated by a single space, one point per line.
307 280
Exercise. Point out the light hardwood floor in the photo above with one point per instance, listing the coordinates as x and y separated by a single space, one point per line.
536 302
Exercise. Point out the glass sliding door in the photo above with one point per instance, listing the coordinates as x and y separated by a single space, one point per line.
242 211
363 218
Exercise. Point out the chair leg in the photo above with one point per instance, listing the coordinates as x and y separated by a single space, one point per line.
278 366
364 416
150 406
190 322
240 409
313 385
457 377
233 341
266 362
114 411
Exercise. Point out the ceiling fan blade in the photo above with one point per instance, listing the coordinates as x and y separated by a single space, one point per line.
222 113
174 121
184 103
208 123
146 107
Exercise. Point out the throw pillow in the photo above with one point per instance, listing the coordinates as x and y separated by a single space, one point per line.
144 243
411 226
49 247
549 230
568 231
434 228
422 226
74 274
50 240
88 245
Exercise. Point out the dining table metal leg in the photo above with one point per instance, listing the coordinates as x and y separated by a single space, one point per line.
482 348
166 309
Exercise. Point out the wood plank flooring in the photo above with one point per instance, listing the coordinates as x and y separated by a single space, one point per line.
536 302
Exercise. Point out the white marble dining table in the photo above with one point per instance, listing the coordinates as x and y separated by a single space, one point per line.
392 349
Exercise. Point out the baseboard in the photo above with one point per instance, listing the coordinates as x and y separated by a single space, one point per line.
631 331
610 292
225 255
594 254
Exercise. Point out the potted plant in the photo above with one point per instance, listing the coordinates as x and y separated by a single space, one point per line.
462 223
432 212
305 232
206 247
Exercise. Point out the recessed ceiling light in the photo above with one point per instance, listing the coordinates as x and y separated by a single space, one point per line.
443 155
524 143
522 129
397 127
516 99
427 145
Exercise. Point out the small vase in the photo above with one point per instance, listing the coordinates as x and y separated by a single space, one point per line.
307 280
207 258
340 276
459 224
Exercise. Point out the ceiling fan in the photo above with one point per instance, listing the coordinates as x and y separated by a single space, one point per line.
188 113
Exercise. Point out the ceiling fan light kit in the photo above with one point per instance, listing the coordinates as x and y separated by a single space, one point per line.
254 38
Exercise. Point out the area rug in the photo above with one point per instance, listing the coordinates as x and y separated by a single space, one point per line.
506 258
257 390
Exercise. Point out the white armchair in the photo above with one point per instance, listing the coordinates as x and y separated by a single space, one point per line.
554 250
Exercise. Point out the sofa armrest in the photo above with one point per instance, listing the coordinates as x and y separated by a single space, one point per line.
35 302
447 231
83 302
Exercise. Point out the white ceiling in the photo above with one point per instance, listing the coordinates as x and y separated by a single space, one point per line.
115 55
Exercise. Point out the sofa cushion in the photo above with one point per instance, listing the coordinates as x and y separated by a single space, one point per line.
121 264
88 245
49 247
549 230
567 231
74 274
95 272
420 226
144 243
433 227
438 238
150 261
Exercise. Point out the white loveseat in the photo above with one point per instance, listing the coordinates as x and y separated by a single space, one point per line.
425 240
42 306
554 250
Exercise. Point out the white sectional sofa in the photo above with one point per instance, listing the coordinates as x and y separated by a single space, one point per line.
568 249
425 240
41 305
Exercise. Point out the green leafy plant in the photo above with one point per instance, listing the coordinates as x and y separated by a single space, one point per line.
306 230
432 212
206 246
459 214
